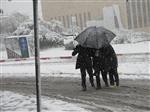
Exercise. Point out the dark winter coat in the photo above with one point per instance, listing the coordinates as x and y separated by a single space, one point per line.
98 62
106 59
109 57
83 58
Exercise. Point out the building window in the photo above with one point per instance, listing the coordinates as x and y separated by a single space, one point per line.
148 6
129 14
134 12
1 11
139 14
71 22
76 19
59 18
85 19
89 16
68 21
144 12
64 22
81 22
51 19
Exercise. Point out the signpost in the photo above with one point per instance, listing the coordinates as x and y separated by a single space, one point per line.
37 61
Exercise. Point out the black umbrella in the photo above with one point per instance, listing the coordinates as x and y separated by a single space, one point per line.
95 37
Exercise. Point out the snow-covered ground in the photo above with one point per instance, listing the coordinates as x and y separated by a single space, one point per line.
15 102
128 67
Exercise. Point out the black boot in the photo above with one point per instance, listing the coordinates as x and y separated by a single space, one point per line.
93 85
106 84
98 82
92 81
84 88
98 87
117 83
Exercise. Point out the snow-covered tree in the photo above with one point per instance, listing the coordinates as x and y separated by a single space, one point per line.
9 24
49 32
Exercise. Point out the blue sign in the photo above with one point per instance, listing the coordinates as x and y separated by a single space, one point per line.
24 47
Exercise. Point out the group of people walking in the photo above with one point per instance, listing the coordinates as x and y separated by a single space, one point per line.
95 61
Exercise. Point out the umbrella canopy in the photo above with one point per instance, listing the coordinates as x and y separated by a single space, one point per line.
95 37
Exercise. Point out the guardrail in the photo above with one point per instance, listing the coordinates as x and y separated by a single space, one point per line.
64 57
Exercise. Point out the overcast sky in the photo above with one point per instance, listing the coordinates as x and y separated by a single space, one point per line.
23 6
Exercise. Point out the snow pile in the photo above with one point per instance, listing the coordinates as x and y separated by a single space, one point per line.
129 36
14 102
141 47
140 36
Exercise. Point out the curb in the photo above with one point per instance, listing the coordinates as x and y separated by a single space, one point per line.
62 57
42 58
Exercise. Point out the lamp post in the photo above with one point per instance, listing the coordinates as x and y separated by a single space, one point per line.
37 59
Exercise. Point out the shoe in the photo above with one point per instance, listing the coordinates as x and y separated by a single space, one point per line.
117 84
106 85
84 89
99 87
92 85
112 86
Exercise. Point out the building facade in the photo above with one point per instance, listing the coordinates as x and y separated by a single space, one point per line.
133 14
138 14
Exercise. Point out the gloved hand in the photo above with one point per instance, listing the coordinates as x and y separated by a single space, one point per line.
74 53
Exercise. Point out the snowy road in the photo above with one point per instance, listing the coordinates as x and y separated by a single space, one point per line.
60 80
131 96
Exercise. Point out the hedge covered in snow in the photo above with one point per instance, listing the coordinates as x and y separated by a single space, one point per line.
49 32
8 24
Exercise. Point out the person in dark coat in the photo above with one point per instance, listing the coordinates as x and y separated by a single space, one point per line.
111 64
84 63
107 63
98 66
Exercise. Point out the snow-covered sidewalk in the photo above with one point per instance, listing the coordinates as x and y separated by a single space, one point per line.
142 47
139 70
15 102
128 65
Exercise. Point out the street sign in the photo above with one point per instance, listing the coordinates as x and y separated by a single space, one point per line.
24 47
